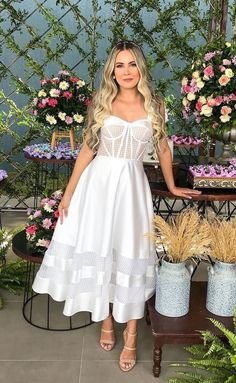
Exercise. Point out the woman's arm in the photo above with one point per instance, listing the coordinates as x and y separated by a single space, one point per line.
85 156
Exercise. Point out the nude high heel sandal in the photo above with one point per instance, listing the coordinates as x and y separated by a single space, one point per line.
104 342
131 362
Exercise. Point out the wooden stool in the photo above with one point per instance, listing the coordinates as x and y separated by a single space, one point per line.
58 134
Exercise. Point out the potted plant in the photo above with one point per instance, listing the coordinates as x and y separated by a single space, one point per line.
209 95
12 274
212 361
182 238
61 104
221 290
42 222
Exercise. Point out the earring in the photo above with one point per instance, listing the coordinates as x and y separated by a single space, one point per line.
114 77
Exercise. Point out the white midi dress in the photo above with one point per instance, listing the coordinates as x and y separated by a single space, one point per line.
101 252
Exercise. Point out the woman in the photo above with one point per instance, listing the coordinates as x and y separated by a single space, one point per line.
99 254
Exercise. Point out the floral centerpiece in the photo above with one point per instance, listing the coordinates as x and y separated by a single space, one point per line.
42 222
209 91
62 101
61 152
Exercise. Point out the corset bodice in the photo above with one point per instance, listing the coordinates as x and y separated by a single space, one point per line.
123 139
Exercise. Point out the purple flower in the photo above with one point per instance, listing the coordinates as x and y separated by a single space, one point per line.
209 56
3 174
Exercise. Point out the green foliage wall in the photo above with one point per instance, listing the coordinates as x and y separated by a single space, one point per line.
40 37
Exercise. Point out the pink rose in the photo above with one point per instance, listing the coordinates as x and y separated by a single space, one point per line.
68 120
218 100
74 79
41 105
56 213
67 94
208 71
211 102
52 102
187 89
223 80
31 229
44 81
198 106
222 68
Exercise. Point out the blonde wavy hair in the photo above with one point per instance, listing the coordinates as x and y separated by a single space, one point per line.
101 106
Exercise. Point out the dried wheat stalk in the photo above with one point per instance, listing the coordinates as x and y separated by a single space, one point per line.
223 239
183 237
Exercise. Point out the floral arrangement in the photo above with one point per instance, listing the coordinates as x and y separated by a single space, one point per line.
213 171
5 242
3 174
61 152
186 140
62 101
42 222
210 91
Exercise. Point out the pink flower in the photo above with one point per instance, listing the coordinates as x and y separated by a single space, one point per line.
43 201
44 81
225 110
209 56
31 229
47 223
56 213
215 125
44 101
74 79
226 62
218 100
34 112
211 102
52 102
55 80
187 89
234 60
222 68
67 94
87 102
41 105
64 72
52 202
68 120
35 100
208 71
198 106
223 80
37 213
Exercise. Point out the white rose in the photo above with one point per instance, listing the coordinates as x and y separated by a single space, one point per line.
229 73
206 111
191 96
225 118
200 83
185 102
202 100
42 93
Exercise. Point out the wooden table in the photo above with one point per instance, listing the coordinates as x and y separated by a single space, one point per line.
182 330
221 201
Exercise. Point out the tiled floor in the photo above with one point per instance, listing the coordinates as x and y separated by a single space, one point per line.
32 355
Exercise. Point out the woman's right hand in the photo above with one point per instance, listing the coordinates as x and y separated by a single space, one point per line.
63 207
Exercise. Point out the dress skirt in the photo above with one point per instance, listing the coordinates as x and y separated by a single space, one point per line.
102 253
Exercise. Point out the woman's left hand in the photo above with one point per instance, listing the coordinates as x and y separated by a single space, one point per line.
185 192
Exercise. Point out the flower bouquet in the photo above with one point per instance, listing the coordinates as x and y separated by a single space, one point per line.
209 91
42 222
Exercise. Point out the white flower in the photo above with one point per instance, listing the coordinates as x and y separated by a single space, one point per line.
206 78
202 100
47 208
229 73
196 74
228 44
62 116
184 81
54 92
78 118
64 85
80 83
42 93
200 83
225 118
206 111
191 96
51 119
185 102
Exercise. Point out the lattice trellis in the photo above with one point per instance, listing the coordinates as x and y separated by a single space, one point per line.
39 37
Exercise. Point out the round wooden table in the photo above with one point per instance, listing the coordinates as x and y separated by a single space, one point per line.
40 310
